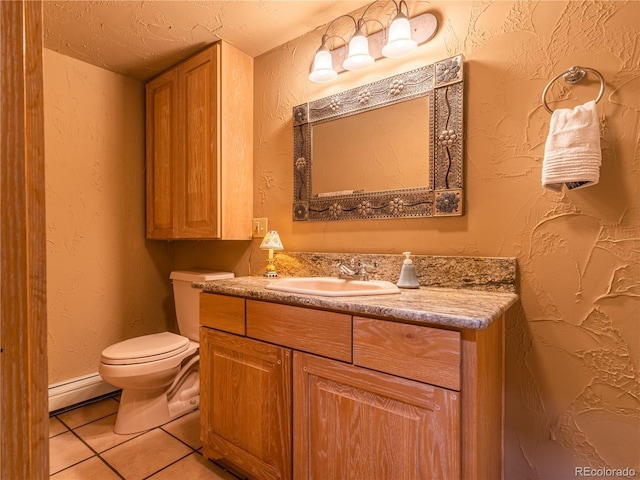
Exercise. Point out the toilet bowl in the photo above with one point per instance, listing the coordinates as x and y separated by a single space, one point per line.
159 373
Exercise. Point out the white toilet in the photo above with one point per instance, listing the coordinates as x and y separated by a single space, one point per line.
158 373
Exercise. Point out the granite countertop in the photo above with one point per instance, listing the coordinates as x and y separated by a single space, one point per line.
453 307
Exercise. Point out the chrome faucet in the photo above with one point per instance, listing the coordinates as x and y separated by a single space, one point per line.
362 272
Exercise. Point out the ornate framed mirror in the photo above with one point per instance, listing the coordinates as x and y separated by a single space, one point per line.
389 149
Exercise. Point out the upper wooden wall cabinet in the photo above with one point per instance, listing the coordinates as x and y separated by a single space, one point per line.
200 147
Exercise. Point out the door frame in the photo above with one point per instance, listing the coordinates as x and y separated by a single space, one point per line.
24 448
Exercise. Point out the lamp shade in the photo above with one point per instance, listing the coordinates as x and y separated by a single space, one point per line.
322 70
358 56
400 42
271 241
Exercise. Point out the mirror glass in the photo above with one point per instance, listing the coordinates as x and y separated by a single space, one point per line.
380 149
389 149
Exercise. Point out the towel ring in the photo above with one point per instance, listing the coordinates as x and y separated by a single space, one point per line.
573 76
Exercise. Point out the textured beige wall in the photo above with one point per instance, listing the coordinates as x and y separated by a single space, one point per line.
105 283
573 349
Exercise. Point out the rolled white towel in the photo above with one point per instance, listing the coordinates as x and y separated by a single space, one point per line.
572 153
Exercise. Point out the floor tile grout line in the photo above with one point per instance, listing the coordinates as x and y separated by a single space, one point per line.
60 433
62 422
79 462
129 439
93 421
71 466
99 454
139 434
177 438
110 466
95 452
84 424
167 466
84 459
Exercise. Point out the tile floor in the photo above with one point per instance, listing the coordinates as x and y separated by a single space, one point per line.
82 446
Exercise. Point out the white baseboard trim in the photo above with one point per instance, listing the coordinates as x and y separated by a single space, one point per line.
77 390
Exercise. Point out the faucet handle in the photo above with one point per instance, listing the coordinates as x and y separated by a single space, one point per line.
344 270
365 269
372 267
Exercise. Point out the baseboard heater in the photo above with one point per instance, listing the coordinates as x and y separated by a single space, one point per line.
77 390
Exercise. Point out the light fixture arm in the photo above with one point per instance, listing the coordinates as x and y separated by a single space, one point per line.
406 7
368 7
399 7
363 23
326 36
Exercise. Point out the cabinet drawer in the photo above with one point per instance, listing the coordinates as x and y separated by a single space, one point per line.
222 313
314 331
424 354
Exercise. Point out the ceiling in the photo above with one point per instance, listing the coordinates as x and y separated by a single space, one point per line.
140 39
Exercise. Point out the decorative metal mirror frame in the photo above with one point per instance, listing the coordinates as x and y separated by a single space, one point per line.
442 193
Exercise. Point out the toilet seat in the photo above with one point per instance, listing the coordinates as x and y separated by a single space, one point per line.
145 349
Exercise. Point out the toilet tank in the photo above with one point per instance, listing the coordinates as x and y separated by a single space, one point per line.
187 298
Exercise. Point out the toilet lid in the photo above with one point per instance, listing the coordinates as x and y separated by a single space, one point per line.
147 348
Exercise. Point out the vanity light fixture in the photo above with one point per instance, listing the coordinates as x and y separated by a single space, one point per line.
362 50
322 70
400 42
358 57
271 242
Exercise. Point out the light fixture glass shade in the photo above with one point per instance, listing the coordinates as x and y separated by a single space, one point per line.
358 54
322 71
400 42
271 241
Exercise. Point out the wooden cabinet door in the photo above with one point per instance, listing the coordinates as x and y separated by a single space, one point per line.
245 394
200 148
351 423
197 163
162 147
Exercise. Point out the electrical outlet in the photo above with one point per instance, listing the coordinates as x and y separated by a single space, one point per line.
259 227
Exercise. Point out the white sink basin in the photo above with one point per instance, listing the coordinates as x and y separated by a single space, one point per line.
332 287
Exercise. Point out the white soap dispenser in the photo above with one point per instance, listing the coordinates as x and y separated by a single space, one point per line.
408 278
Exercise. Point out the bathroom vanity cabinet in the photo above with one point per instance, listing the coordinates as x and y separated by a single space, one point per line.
247 390
291 392
199 154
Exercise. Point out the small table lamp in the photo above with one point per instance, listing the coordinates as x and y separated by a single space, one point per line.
271 242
